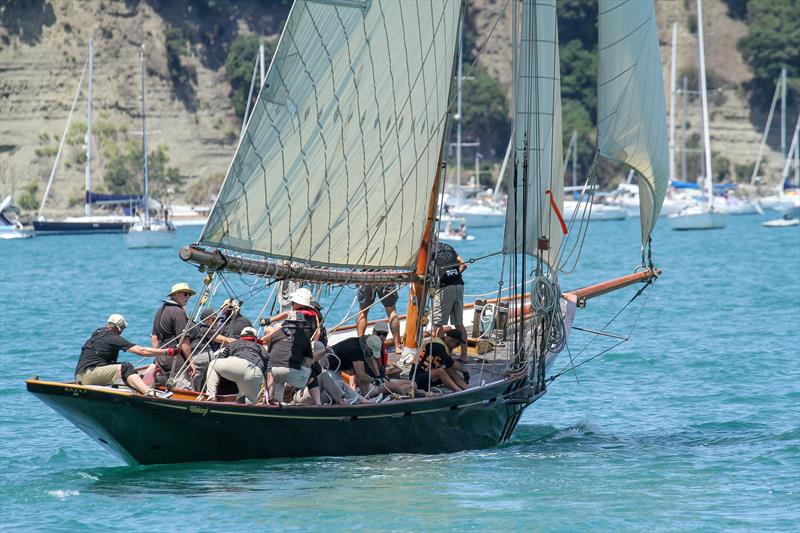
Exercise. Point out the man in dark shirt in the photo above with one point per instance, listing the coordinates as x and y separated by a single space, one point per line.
168 331
362 356
232 319
290 357
245 362
436 366
205 339
98 365
448 298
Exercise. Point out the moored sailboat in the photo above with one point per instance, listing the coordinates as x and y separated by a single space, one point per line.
302 203
149 232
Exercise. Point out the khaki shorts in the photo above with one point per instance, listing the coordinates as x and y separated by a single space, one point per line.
99 375
448 305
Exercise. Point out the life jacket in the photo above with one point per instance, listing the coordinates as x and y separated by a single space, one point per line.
425 353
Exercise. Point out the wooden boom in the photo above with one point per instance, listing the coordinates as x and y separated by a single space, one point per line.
611 285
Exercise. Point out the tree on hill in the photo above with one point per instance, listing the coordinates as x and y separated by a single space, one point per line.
772 42
239 67
486 114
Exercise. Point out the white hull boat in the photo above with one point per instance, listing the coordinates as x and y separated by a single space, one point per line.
598 211
152 236
696 218
13 232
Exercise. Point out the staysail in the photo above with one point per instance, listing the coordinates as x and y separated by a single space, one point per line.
631 123
537 136
338 160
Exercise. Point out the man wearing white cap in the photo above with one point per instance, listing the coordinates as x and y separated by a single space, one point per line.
168 330
98 365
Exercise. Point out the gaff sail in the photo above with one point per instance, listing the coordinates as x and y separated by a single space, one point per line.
631 123
339 157
537 129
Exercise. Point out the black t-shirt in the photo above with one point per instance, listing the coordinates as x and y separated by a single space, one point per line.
350 350
289 345
101 349
234 327
445 259
169 323
250 351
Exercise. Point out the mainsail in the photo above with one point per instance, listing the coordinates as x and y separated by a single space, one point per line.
537 136
631 121
338 160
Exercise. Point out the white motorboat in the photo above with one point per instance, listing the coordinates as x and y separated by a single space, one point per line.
596 212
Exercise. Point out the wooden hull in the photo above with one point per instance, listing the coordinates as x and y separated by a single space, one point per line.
153 430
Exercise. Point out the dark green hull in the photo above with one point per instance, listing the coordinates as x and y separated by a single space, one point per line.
152 431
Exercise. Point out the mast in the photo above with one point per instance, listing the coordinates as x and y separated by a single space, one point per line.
63 138
784 155
460 85
144 143
503 166
704 100
87 208
261 63
416 296
684 92
672 92
574 158
766 131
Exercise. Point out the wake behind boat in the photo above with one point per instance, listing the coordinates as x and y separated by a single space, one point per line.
303 205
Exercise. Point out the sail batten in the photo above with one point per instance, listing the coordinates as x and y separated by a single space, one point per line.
631 123
344 140
537 136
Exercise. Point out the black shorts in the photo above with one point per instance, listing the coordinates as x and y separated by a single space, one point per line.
386 293
421 379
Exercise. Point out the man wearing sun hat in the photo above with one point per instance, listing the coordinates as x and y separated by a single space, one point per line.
168 330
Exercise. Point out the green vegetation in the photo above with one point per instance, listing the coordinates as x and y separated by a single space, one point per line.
239 68
203 190
29 200
124 170
772 42
486 114
176 46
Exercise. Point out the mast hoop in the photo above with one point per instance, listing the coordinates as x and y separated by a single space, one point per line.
217 260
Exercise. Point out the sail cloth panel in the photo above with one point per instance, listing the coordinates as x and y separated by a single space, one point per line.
631 124
537 124
338 160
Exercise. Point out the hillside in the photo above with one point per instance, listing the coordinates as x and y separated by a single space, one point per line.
191 116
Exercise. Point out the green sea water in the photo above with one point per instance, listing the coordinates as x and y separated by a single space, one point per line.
693 424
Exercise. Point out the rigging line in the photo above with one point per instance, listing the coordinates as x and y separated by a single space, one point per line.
601 333
649 283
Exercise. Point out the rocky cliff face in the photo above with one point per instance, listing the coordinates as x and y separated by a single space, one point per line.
43 48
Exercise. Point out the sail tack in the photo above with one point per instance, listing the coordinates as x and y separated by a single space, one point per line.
537 136
631 121
338 160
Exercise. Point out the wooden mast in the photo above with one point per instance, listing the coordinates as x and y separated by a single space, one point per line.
416 297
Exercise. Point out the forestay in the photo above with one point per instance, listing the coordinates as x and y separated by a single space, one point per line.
339 158
537 125
631 123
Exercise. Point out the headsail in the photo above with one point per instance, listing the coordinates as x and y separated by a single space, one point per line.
631 123
537 126
340 154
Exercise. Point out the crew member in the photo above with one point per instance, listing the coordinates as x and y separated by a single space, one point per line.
168 331
291 357
362 356
436 366
388 297
448 298
245 362
98 365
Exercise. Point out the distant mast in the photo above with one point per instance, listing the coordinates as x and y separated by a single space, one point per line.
144 143
672 91
88 205
704 101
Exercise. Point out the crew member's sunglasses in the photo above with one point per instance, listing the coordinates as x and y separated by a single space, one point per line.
382 333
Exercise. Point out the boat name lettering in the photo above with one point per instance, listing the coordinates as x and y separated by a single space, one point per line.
198 410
